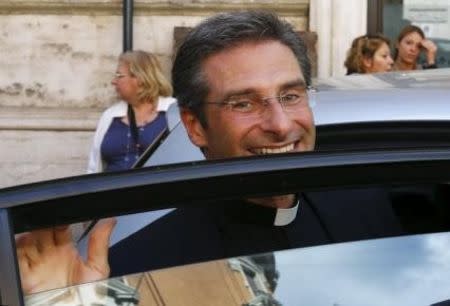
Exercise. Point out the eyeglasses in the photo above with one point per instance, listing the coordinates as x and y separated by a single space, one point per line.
119 75
253 105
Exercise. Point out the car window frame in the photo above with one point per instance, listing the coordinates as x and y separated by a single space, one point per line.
38 205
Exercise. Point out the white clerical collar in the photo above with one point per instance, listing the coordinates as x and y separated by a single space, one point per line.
284 216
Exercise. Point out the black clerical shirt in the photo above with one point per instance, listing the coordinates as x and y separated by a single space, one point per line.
236 227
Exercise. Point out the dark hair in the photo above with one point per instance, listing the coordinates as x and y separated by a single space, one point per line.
405 31
219 33
363 47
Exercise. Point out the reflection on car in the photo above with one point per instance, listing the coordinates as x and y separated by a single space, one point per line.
410 270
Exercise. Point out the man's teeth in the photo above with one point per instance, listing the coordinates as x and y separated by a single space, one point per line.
284 149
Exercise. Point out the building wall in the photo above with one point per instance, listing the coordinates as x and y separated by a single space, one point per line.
57 59
220 282
205 284
209 283
337 23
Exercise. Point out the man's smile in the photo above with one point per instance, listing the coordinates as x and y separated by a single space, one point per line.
274 150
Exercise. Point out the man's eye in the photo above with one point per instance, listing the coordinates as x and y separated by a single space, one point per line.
241 105
290 98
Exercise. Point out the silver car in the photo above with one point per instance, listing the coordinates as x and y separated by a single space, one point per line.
389 130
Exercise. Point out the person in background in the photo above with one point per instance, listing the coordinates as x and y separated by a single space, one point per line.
410 42
128 127
369 54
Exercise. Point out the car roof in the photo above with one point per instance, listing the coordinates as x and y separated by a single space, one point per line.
418 95
425 79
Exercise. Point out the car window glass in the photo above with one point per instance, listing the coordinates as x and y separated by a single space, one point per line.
324 217
403 270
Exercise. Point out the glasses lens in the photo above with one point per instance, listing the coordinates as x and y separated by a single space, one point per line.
254 106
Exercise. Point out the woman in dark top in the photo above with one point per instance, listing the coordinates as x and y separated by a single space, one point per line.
128 127
410 42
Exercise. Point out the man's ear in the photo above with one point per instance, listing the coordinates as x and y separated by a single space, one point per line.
194 128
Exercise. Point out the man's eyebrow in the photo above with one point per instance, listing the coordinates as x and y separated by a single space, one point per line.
238 93
292 84
249 91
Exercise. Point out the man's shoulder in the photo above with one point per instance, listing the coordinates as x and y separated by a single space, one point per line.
348 196
356 213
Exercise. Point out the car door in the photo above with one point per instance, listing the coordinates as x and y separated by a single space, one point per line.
405 173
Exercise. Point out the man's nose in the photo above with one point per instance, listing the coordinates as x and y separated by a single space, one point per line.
275 120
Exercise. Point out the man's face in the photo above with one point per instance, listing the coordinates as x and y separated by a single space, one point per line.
263 69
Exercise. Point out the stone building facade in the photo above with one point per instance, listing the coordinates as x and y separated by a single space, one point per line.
241 281
57 59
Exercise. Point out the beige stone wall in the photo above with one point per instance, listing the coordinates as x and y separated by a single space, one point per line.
57 59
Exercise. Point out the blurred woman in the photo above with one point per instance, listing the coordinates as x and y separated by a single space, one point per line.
126 129
369 54
410 42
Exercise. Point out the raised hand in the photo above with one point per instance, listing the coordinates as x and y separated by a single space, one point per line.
48 258
430 50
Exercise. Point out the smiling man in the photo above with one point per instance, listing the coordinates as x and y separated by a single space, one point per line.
241 80
243 111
